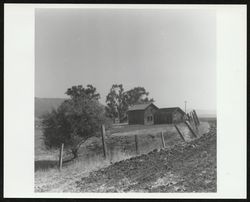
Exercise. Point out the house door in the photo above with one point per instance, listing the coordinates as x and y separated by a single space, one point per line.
149 120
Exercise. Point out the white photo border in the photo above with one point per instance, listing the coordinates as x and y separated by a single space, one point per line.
19 74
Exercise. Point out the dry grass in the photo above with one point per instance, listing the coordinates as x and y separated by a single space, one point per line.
127 130
138 129
53 180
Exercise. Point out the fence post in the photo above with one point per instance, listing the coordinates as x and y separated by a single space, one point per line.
103 142
61 157
136 144
190 117
162 140
195 120
179 132
196 117
190 128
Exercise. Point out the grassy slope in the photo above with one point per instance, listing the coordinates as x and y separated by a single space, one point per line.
119 148
185 167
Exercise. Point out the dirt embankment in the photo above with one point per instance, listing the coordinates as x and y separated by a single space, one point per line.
185 167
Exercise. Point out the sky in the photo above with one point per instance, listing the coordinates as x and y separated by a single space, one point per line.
171 53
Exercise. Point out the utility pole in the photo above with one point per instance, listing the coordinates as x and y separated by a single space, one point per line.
185 106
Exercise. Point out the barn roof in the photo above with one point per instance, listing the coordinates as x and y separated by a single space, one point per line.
170 110
141 106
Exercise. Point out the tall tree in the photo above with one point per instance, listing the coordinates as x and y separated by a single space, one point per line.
116 102
76 120
137 95
78 91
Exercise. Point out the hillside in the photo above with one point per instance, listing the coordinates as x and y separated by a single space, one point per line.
180 167
185 167
44 105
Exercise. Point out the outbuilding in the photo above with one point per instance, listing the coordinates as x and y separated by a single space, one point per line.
142 114
169 115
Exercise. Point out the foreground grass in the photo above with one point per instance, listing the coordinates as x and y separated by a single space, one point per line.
53 180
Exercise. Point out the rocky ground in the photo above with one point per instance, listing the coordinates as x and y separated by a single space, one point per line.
184 167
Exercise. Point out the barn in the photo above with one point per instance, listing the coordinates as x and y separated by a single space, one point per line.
142 114
169 115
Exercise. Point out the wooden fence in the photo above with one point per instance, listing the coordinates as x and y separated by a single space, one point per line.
192 124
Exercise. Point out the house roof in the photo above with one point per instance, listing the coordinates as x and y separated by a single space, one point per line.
170 110
140 106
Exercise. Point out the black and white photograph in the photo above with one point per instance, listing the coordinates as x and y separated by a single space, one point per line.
125 100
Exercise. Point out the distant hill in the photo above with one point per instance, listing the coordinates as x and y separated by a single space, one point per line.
44 105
